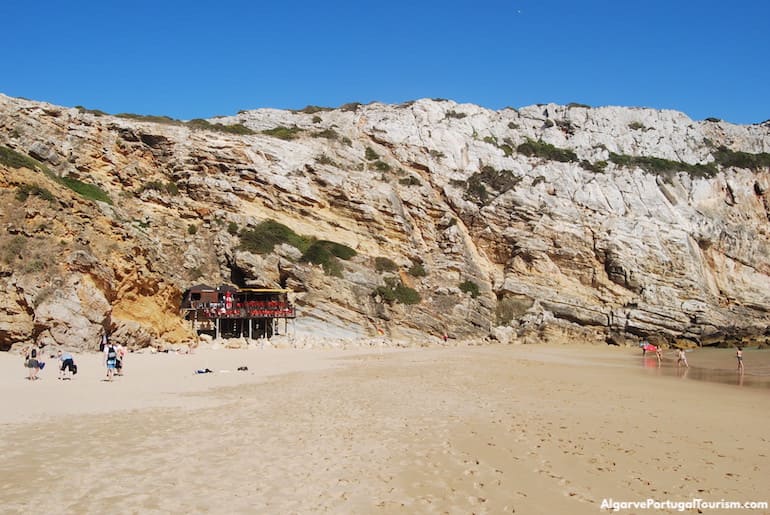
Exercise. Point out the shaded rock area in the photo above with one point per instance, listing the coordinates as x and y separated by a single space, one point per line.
547 223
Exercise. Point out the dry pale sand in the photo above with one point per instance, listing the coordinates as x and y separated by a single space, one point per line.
520 429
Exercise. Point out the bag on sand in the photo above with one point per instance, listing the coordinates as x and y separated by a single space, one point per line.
74 369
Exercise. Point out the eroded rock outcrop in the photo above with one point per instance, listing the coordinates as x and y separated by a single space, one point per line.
546 222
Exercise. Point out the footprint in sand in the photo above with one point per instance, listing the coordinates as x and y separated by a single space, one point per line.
476 500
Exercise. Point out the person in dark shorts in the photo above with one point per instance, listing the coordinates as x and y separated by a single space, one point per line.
67 366
32 363
119 361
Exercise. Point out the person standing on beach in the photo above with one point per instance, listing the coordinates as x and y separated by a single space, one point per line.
739 357
681 359
104 340
659 354
110 360
31 362
119 362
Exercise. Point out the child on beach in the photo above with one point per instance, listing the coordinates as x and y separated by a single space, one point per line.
681 359
659 354
739 357
120 359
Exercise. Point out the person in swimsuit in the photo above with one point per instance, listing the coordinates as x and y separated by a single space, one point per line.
681 359
739 357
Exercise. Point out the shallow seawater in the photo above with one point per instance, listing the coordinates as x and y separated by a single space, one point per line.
716 366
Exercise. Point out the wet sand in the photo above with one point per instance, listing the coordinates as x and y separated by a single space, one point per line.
716 366
524 429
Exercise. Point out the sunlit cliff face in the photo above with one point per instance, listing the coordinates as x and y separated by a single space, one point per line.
549 222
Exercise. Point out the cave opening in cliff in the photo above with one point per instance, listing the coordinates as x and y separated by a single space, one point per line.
237 277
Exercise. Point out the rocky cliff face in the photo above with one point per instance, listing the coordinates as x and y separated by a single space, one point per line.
546 222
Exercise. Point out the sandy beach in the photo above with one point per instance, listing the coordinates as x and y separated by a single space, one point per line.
515 429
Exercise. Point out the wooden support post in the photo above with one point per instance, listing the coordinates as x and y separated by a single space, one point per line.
251 322
216 329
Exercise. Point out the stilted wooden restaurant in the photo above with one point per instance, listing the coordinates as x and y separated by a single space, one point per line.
228 312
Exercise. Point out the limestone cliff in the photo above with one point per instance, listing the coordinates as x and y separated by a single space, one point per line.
545 222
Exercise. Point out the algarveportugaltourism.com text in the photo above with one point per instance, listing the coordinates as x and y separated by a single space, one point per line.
698 504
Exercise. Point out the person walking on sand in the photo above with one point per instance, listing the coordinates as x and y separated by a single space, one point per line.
659 354
110 360
681 359
739 357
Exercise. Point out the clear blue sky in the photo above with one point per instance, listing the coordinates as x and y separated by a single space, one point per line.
192 59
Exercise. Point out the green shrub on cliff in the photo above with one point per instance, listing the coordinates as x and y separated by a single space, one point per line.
236 128
370 154
454 114
395 291
150 118
10 157
14 249
532 148
159 186
480 184
311 109
381 166
417 270
383 264
470 287
263 238
320 248
86 190
24 191
327 254
726 157
95 112
285 133
662 166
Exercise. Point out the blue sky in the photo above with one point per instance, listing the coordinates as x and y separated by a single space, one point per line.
200 59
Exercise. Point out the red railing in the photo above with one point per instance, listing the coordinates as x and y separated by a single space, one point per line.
250 309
